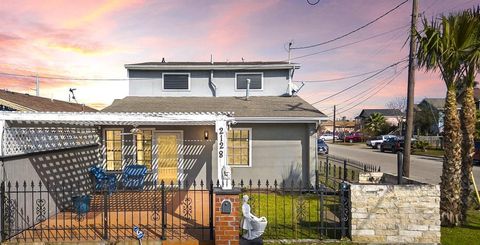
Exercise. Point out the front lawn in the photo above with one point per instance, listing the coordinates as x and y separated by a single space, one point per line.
430 153
468 234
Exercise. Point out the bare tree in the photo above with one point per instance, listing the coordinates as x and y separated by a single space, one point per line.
399 103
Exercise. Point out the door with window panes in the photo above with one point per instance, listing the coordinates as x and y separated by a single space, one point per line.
168 156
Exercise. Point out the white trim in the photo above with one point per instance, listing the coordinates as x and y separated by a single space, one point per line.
116 118
212 67
122 140
248 73
180 165
135 147
175 90
250 164
279 119
3 125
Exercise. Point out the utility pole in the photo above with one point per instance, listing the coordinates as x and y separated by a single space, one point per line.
334 116
37 86
410 93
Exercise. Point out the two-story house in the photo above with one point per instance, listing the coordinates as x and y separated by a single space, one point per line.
273 137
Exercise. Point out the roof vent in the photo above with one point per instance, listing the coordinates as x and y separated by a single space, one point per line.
163 60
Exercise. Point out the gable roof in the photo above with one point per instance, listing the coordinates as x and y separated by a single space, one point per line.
26 102
250 65
256 106
385 112
437 103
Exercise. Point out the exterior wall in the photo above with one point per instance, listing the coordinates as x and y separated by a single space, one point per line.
274 83
62 170
279 151
197 152
395 213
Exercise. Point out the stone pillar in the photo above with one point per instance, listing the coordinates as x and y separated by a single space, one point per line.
227 216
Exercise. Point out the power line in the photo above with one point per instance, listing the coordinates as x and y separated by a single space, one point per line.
340 78
360 82
351 32
349 44
376 92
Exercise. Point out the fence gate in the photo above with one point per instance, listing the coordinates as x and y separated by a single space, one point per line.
34 212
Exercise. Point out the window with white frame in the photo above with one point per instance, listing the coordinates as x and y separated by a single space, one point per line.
239 146
177 81
144 148
256 81
113 147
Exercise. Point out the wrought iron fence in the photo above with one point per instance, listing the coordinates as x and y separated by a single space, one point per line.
296 210
175 211
332 169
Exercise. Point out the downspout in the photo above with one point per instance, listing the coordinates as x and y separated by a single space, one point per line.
290 84
212 85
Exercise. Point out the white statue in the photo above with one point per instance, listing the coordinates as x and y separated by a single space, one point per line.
252 224
226 177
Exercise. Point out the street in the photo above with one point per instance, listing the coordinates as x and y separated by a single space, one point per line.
422 168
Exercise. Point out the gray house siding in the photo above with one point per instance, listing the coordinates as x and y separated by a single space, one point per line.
279 151
64 171
149 83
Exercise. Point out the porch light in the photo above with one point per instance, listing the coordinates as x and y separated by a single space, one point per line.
205 134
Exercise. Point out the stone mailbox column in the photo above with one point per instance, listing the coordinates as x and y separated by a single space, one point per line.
227 216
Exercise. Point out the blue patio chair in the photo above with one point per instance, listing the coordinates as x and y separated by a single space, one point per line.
81 204
133 176
103 180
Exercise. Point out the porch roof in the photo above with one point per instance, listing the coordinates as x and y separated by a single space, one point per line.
117 118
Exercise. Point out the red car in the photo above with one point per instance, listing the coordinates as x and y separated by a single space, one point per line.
354 137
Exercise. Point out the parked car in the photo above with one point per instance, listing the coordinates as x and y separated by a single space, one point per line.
322 147
476 156
327 136
353 137
376 142
393 144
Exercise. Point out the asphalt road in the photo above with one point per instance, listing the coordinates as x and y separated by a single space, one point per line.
422 168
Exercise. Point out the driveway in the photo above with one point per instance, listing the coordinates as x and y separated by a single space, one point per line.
422 168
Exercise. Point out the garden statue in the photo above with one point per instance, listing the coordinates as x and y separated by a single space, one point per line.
226 177
253 225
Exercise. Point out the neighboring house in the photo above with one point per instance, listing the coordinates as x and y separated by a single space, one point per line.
182 121
437 107
12 101
340 126
392 116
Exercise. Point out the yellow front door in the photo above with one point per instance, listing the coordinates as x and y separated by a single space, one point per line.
168 156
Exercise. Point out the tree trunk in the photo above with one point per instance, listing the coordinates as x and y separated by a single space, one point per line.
451 175
468 120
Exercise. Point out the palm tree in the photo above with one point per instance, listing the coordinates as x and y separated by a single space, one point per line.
375 123
441 46
471 64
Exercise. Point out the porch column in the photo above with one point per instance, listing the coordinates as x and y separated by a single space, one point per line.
224 171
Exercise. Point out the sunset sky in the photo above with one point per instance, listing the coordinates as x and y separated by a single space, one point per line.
93 39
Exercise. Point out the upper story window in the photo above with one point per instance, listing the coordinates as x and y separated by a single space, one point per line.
176 81
256 81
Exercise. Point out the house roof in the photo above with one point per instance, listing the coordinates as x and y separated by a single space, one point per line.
26 102
437 103
344 124
250 65
385 112
256 106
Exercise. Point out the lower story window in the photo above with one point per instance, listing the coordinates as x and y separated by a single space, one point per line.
144 148
239 146
113 145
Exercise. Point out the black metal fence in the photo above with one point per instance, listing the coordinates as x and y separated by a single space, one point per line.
296 210
34 212
332 169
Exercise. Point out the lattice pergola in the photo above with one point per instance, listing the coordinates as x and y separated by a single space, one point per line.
33 132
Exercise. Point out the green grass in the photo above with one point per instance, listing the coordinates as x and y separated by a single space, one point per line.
429 153
293 216
468 234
